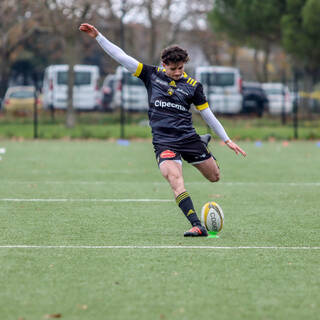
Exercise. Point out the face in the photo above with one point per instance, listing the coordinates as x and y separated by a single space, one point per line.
174 70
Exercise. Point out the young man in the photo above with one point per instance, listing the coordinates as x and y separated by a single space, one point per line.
171 92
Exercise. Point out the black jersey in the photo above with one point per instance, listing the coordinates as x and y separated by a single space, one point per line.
170 100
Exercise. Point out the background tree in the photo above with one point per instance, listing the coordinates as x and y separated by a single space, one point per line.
251 23
301 36
63 18
166 19
18 23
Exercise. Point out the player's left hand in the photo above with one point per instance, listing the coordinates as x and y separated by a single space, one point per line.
89 29
233 146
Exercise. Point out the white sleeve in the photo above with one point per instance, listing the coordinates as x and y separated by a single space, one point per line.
117 53
214 124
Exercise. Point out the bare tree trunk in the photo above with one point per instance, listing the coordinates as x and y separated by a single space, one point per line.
266 63
70 117
233 55
4 75
153 30
256 65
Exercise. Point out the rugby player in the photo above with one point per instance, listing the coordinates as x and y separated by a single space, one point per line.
171 92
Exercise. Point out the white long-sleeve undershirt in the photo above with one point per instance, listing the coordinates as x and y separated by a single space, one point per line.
117 53
214 124
131 65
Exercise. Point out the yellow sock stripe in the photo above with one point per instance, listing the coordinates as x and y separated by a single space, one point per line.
182 196
181 199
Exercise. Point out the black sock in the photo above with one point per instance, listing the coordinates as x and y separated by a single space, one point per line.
185 203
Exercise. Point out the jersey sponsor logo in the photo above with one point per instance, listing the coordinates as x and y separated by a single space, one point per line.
161 82
164 104
167 154
182 91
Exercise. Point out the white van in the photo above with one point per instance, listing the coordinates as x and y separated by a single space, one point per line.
223 88
86 93
133 91
279 97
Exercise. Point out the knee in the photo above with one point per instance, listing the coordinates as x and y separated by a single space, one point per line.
214 177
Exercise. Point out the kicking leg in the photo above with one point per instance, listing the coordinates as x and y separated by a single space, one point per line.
209 169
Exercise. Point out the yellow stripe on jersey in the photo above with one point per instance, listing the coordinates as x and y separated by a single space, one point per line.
161 69
139 69
203 106
192 81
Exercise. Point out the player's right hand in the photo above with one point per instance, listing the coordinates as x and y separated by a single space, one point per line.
89 29
233 146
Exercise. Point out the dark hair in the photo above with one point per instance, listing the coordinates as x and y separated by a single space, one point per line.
174 54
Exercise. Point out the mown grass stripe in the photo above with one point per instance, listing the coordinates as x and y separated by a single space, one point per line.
85 200
153 247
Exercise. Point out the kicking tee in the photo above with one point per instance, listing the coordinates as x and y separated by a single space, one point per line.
170 100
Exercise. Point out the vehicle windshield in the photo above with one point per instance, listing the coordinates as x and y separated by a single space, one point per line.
81 78
221 79
273 91
22 94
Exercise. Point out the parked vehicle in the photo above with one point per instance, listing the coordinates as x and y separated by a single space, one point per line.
254 98
86 93
279 97
108 90
222 86
20 99
130 91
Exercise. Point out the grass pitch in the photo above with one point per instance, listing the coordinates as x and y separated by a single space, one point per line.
83 252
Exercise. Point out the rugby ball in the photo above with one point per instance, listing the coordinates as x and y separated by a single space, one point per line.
212 216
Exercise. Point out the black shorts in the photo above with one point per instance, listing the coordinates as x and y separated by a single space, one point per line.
192 150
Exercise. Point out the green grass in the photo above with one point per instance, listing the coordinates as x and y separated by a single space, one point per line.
270 199
107 125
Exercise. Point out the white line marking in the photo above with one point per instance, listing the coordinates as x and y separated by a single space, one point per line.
152 247
86 200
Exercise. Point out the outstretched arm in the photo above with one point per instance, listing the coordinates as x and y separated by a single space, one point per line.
111 49
217 127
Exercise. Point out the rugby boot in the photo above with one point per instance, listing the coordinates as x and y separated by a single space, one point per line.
196 231
205 138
